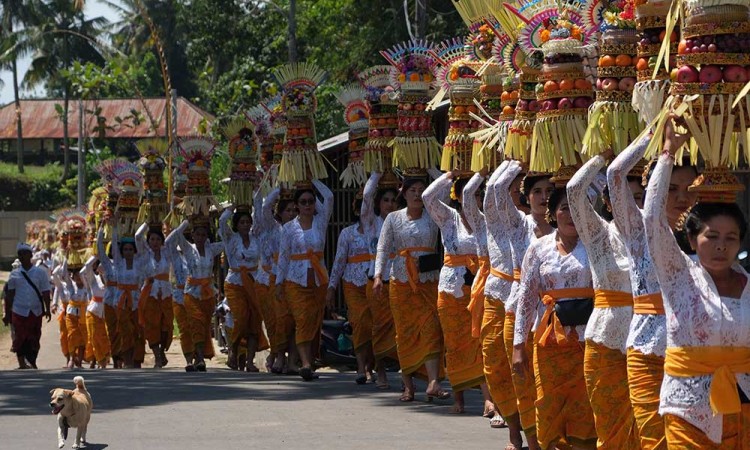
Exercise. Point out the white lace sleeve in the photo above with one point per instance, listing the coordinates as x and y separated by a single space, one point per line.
440 213
268 220
284 254
141 244
367 212
589 225
385 246
115 246
257 214
672 266
625 212
327 200
104 260
87 272
225 230
507 215
527 295
473 215
339 262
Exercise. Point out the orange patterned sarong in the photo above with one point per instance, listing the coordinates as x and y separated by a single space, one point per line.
158 319
246 312
682 435
199 314
563 411
524 388
76 327
463 353
606 374
645 375
383 329
419 337
110 319
359 314
497 370
183 327
97 332
307 305
268 308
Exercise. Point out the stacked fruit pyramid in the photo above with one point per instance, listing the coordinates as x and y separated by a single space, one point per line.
713 69
563 92
152 162
653 79
613 123
261 120
415 147
382 110
195 154
301 161
521 129
243 152
355 115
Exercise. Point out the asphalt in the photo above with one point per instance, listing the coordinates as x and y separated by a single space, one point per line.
170 409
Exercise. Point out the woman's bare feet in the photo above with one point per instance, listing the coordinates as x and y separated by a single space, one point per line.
458 403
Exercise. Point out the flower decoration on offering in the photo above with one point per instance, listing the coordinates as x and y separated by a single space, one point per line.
300 160
518 142
277 119
414 146
261 120
129 187
72 224
243 152
613 123
196 153
653 80
152 162
709 91
481 36
717 185
355 115
563 93
98 211
382 105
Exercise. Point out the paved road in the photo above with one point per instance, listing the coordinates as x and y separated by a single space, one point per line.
169 409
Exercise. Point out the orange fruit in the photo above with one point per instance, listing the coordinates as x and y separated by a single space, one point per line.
623 60
682 47
582 84
472 109
459 110
642 64
607 61
505 96
514 95
566 85
509 110
551 86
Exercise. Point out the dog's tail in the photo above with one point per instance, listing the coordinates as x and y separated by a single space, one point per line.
78 381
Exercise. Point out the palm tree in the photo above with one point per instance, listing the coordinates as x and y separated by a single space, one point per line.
14 13
60 35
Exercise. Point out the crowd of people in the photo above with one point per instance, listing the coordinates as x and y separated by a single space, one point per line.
562 314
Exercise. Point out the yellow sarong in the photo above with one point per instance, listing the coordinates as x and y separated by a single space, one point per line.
463 353
735 433
562 406
645 375
199 312
497 370
76 327
418 334
359 314
476 305
606 375
110 319
383 329
524 387
267 302
246 309
183 327
307 305
126 334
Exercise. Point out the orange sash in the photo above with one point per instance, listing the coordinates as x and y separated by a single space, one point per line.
146 292
97 299
363 257
245 273
550 322
612 299
314 258
412 271
721 362
203 283
648 304
111 284
516 274
126 294
502 275
468 261
476 305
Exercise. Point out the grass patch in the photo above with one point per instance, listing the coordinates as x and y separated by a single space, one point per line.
50 171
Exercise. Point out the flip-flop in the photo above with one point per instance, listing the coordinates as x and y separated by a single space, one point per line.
498 422
440 395
489 413
406 398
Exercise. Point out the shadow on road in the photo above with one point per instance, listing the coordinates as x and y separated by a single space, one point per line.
27 392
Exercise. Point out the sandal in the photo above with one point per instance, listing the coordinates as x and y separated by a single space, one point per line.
440 395
383 386
457 409
489 413
498 422
406 397
361 379
306 373
190 368
201 366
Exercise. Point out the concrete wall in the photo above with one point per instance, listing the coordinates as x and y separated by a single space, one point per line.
13 230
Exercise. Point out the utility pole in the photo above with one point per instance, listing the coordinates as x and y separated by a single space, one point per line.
421 18
81 158
292 30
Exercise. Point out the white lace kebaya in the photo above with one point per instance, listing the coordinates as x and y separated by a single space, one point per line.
351 244
125 276
457 240
373 224
607 258
648 332
400 233
269 235
696 315
96 286
296 241
160 288
545 269
198 267
111 296
237 254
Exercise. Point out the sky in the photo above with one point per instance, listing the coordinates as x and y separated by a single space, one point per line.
93 9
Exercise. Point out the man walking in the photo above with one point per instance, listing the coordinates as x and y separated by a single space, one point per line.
26 302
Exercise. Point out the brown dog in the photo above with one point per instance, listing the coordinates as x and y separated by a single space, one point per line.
73 409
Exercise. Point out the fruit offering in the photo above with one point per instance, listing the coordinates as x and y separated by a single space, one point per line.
464 91
355 115
382 110
518 143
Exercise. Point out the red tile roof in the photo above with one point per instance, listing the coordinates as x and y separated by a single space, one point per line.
41 121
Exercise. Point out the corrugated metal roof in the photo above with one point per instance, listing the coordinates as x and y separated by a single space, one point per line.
41 121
